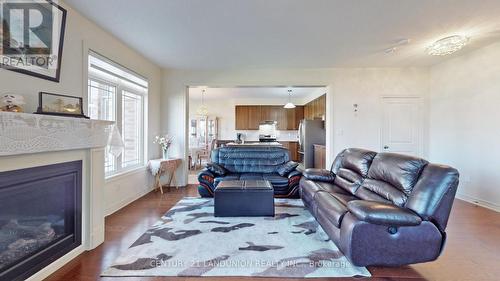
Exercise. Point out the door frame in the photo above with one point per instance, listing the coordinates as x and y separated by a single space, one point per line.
328 114
421 122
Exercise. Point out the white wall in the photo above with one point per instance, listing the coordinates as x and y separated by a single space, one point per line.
465 122
345 87
80 34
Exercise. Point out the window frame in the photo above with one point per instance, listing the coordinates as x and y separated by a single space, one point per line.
120 88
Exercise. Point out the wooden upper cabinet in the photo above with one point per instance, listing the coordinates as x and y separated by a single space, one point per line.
280 113
274 113
315 109
248 117
322 106
293 117
241 112
265 113
254 117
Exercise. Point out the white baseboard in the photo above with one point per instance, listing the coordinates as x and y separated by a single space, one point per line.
118 205
53 267
479 202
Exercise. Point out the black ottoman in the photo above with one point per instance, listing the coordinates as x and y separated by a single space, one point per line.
251 198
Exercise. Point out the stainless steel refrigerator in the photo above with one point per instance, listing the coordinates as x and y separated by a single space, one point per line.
310 132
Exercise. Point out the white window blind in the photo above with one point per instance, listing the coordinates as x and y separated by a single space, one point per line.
118 94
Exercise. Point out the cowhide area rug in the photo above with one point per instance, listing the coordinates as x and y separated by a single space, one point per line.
190 241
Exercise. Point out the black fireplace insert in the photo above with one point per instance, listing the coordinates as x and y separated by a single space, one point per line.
40 217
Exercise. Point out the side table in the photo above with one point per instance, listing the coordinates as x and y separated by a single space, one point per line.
160 167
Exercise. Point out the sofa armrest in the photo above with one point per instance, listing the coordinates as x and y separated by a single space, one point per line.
294 173
383 213
205 172
206 183
319 175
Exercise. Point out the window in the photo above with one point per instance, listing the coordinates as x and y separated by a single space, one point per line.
117 94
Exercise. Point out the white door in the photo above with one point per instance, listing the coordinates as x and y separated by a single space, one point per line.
402 125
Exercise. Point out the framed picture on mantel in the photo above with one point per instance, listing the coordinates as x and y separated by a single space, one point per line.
61 105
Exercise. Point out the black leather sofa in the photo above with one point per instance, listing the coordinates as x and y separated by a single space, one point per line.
382 208
252 163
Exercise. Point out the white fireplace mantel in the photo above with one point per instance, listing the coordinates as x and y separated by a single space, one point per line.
23 133
23 136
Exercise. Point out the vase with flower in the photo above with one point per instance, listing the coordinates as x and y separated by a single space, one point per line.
164 141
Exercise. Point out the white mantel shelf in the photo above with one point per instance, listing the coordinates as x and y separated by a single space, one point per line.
23 133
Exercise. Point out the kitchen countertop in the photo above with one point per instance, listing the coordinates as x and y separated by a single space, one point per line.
246 144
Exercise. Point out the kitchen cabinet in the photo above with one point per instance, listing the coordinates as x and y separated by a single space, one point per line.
293 117
315 109
254 117
319 156
241 117
293 147
248 117
274 113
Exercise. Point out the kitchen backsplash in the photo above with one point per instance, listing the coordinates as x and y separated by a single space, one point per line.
281 135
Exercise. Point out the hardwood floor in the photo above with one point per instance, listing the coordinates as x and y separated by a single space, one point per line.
472 251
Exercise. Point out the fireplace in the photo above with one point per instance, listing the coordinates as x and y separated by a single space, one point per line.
40 217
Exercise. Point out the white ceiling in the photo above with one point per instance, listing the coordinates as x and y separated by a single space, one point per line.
221 34
299 94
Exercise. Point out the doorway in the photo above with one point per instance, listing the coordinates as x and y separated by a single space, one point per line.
237 112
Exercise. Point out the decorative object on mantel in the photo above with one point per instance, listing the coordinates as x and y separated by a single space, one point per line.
164 141
163 167
39 58
23 133
11 103
61 105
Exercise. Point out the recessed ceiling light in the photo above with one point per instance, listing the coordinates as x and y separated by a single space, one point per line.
447 45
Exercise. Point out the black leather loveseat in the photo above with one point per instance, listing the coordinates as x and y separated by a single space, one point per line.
251 163
382 208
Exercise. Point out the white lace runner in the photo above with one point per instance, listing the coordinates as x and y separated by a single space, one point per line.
22 133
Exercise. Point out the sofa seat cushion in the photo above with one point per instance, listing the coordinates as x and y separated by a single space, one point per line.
344 198
330 187
330 207
228 177
307 190
251 176
276 180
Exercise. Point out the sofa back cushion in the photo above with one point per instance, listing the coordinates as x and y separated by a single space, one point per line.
351 167
433 194
252 159
391 178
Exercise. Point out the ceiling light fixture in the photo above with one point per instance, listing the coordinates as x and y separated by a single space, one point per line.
202 110
289 104
447 45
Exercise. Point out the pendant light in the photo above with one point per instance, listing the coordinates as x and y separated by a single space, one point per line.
202 110
289 104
